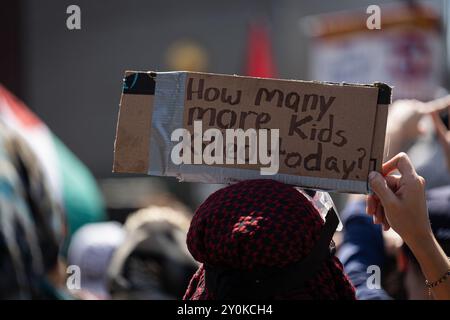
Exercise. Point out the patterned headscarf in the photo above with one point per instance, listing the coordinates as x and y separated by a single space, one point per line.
258 224
32 225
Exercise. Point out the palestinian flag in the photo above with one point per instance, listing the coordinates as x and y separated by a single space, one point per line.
71 183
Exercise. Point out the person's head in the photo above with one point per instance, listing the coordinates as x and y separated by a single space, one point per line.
91 249
262 239
32 225
438 203
153 262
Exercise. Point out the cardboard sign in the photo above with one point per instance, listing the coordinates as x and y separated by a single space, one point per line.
322 135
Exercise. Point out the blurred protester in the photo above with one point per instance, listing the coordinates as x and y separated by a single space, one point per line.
262 239
69 181
409 129
32 225
361 248
153 262
91 249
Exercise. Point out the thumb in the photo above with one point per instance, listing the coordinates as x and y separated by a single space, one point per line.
379 185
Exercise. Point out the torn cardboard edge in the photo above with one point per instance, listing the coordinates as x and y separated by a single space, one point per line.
152 106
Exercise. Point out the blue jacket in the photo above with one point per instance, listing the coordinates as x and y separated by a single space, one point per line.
362 247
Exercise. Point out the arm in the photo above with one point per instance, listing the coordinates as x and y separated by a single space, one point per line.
362 246
399 202
403 125
434 264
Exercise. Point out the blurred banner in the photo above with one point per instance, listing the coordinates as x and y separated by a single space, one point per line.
260 61
407 52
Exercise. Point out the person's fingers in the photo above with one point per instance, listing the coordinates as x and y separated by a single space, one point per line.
393 182
379 214
386 225
401 163
380 218
436 105
379 185
371 204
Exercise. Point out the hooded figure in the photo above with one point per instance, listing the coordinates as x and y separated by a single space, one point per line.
32 225
262 239
153 262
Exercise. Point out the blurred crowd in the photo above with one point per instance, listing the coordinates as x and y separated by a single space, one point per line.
57 241
256 239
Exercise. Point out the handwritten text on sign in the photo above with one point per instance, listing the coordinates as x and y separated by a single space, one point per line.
323 131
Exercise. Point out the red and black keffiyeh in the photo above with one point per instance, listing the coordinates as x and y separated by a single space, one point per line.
258 224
